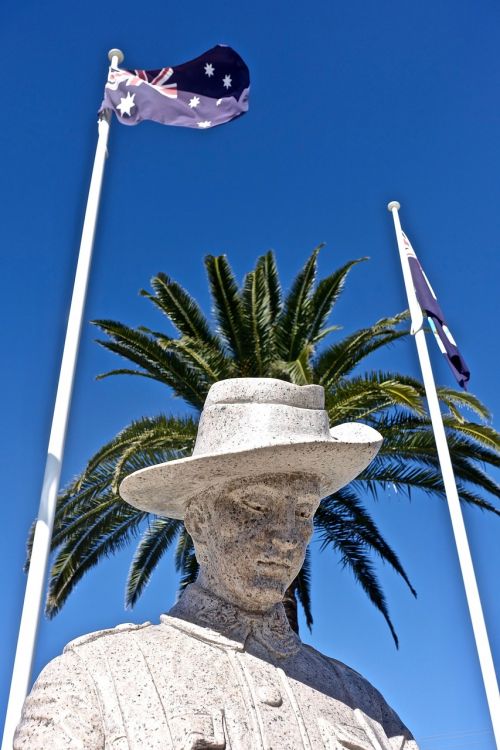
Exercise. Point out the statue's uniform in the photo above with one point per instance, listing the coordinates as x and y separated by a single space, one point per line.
250 684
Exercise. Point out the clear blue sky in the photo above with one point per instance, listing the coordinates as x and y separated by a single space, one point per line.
352 105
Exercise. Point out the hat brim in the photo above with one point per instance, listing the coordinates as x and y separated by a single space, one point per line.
166 489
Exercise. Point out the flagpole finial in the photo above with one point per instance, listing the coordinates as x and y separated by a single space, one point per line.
116 53
393 204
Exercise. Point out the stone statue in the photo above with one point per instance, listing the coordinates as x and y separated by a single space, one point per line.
224 670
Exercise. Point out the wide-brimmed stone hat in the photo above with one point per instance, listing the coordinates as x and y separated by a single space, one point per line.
252 426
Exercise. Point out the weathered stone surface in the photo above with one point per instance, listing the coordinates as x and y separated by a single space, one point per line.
223 670
250 426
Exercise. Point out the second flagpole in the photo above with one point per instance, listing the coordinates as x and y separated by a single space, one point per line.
457 521
40 552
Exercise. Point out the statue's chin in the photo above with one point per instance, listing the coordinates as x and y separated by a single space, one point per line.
261 590
258 595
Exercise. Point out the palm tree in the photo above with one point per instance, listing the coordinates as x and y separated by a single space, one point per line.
261 333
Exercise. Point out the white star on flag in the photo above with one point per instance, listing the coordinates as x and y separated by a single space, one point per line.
218 102
205 124
209 70
126 104
194 101
227 81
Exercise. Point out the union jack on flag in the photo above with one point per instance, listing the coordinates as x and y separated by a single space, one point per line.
155 78
208 91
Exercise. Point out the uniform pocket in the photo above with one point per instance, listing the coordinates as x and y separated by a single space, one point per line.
198 730
343 736
117 743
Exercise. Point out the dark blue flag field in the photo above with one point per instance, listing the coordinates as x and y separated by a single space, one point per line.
208 91
429 304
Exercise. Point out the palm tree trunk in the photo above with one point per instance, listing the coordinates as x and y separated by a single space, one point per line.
290 605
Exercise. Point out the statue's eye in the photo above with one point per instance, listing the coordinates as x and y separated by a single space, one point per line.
303 512
255 507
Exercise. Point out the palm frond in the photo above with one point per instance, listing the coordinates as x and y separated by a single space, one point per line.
367 395
78 496
324 333
170 434
124 371
347 504
185 560
78 520
258 313
297 371
165 366
109 532
404 477
266 265
29 546
212 363
483 434
410 436
324 298
294 322
340 359
227 304
463 399
302 587
465 470
338 530
181 309
155 541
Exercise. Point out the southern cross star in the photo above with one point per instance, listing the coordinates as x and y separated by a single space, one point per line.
126 104
194 101
209 70
227 81
205 124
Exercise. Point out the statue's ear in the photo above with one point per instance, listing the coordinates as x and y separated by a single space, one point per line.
195 521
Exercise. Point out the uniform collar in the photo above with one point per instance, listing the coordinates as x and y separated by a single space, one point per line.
208 618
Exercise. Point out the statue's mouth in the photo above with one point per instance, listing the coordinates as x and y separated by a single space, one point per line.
276 565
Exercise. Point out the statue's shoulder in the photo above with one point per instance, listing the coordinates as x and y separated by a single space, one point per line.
334 663
90 638
352 679
365 695
348 671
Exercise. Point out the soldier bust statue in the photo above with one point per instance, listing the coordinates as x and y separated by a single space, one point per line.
224 670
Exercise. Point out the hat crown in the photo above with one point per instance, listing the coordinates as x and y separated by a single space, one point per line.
252 426
249 413
265 391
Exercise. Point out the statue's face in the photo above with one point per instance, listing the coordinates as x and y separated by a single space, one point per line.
251 537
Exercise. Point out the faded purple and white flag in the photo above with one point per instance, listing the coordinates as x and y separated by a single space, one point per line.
429 304
208 91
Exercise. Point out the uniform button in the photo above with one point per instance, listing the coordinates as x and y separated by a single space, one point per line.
270 696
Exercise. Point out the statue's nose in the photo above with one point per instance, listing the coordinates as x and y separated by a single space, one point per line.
286 540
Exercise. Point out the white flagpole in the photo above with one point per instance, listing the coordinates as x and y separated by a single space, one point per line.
43 530
457 521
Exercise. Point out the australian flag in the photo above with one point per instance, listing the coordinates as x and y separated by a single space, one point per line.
429 304
202 93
